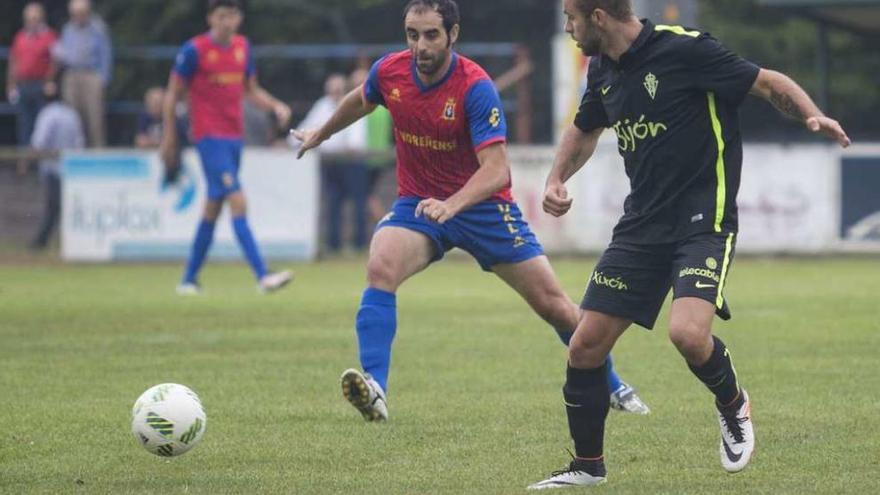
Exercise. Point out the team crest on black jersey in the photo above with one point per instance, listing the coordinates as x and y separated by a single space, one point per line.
651 84
449 110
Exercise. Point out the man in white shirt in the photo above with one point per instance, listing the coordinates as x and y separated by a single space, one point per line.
344 174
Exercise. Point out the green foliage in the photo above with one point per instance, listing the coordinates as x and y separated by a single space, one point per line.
475 395
790 45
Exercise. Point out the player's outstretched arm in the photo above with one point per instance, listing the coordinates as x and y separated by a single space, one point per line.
264 100
169 144
790 99
352 108
576 148
492 176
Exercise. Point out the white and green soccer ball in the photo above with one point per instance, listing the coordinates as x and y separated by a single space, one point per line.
168 420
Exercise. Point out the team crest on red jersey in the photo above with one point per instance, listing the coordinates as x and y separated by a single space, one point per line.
449 110
239 55
395 95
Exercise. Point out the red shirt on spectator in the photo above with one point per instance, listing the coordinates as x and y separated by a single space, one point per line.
32 53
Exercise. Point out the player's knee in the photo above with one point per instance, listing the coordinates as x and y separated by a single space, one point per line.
585 353
688 337
381 273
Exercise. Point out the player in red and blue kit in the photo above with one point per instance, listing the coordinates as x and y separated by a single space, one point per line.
454 191
218 70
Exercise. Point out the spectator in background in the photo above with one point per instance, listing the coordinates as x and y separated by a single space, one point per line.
149 133
380 149
343 173
149 128
86 54
31 70
58 128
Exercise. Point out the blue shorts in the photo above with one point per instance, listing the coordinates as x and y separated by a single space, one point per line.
493 232
221 159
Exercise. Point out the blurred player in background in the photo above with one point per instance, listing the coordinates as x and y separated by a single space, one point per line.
454 188
218 70
672 96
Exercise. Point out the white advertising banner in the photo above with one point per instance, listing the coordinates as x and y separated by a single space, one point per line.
115 207
788 200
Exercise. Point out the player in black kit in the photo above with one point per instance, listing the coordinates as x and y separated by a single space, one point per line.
671 94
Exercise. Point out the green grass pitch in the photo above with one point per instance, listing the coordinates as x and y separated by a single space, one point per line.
475 397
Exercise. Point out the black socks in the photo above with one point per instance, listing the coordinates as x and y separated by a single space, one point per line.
719 376
586 402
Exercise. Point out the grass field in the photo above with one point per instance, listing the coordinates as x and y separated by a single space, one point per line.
475 396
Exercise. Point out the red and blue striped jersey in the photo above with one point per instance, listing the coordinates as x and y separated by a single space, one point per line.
216 76
438 129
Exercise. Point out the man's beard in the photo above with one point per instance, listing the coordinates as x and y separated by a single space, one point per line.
430 67
591 47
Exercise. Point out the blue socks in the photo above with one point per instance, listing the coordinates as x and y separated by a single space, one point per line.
201 244
376 325
614 381
249 246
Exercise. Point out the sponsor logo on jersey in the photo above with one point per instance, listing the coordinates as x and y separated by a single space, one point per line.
631 132
615 283
699 272
427 142
227 78
213 56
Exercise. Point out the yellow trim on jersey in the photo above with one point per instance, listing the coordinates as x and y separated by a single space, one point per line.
719 300
677 30
721 193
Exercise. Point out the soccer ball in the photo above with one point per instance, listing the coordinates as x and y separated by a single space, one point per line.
168 420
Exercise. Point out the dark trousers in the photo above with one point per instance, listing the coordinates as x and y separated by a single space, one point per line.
345 181
51 212
30 101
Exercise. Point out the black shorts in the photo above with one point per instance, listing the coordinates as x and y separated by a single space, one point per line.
632 280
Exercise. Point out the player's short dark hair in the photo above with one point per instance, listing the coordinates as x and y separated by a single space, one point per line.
216 4
447 9
618 9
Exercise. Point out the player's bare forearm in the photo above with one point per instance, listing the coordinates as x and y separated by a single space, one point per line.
10 76
786 95
491 177
575 149
168 146
262 98
792 100
173 94
352 108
